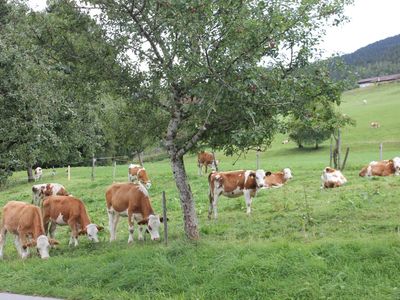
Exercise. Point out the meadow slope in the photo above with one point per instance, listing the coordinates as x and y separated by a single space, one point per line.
300 242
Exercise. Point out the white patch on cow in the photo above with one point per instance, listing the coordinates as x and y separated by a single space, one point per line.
60 220
153 226
43 246
396 164
373 163
143 189
260 174
92 231
217 177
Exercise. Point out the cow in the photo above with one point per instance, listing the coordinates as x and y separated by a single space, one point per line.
37 175
375 125
25 222
68 210
131 200
381 168
40 191
284 142
234 184
332 178
137 173
206 159
365 102
278 179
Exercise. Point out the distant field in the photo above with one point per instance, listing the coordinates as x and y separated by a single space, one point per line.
300 242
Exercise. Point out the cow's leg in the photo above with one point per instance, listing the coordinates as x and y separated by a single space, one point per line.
52 229
113 218
74 232
131 227
248 199
199 167
3 236
140 233
213 204
19 241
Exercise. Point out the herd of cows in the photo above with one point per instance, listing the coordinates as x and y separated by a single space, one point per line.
34 224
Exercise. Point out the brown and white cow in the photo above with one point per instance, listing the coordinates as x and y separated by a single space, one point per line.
277 179
68 210
137 173
332 178
40 191
234 184
206 159
37 175
25 222
131 200
381 168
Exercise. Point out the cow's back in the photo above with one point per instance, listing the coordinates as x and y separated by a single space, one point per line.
120 196
229 181
65 205
21 216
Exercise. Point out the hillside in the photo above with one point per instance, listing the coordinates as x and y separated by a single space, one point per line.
300 242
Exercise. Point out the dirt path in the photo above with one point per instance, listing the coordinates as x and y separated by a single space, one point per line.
7 296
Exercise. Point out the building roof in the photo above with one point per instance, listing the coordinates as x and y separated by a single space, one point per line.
380 79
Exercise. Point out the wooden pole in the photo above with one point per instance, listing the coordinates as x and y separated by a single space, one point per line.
215 162
69 172
339 145
258 159
114 169
164 205
345 158
380 151
93 165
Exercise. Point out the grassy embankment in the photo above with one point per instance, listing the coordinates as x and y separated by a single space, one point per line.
300 242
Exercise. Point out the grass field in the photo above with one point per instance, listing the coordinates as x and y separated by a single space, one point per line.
300 242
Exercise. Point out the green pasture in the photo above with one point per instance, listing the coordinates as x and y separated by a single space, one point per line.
300 242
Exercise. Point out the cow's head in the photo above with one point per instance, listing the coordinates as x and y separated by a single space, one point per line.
91 231
259 176
287 173
396 165
153 226
42 244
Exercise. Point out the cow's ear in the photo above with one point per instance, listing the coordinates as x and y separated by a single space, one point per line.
252 174
100 228
53 242
143 222
82 232
162 219
268 173
29 244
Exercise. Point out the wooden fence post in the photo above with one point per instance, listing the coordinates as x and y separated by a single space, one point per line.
339 145
93 165
114 168
69 172
258 159
380 151
164 205
345 158
215 162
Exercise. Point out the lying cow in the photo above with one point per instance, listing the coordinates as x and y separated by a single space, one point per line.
381 168
132 201
25 222
137 173
68 210
37 175
40 191
206 159
375 125
278 179
332 178
234 184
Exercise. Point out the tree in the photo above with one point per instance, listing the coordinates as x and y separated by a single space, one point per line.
200 64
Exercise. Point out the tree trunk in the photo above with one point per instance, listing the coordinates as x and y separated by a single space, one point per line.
30 174
139 155
316 145
186 197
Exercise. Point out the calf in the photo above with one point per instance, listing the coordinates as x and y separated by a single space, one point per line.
234 184
40 191
132 201
68 210
381 168
37 175
138 173
332 178
206 159
26 223
278 179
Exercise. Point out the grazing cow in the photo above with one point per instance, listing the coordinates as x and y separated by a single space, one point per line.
37 175
365 101
206 159
285 142
278 179
382 168
332 178
131 200
138 173
25 222
68 210
234 184
375 125
40 191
